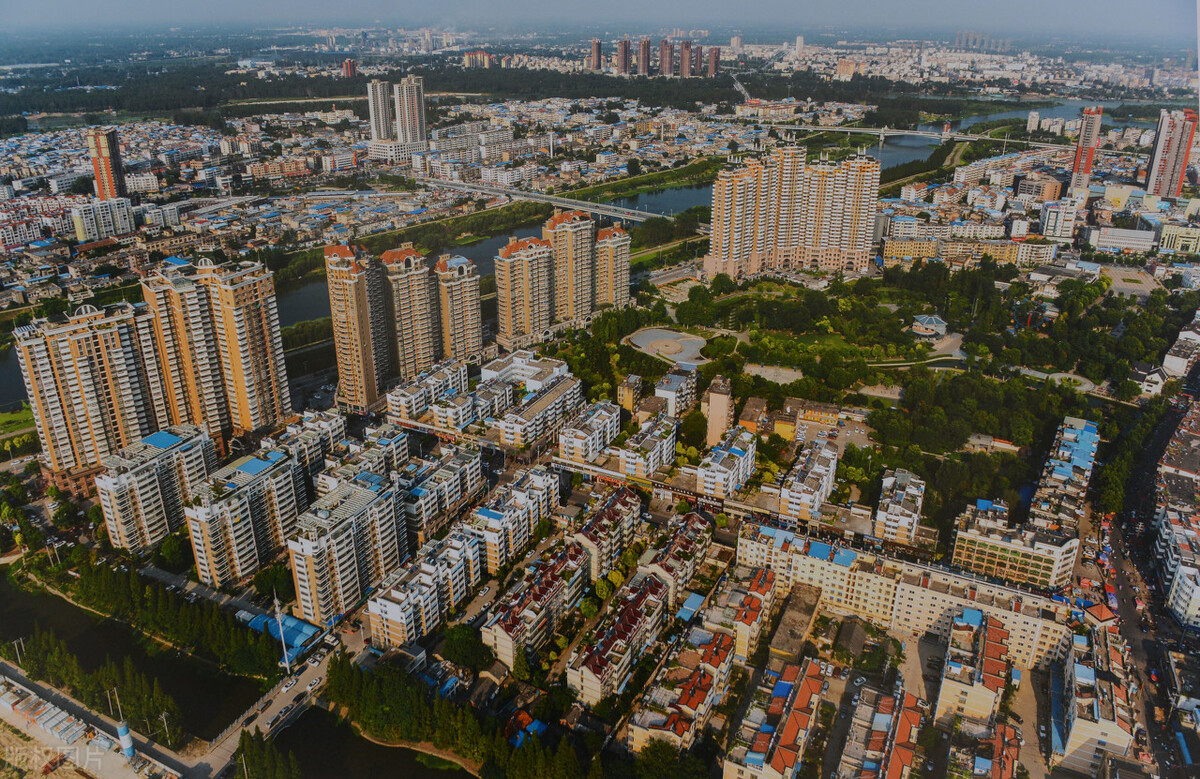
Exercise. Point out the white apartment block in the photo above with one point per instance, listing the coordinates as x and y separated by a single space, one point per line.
899 510
1092 716
412 399
678 388
541 414
103 219
975 669
310 439
649 450
810 481
729 465
434 491
526 369
144 487
606 533
986 545
344 545
242 516
906 597
589 435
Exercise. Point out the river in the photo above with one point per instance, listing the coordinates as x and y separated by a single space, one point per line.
327 747
208 699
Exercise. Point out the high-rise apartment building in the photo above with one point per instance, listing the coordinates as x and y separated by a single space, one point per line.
246 325
612 267
379 107
361 337
94 387
216 330
100 219
596 60
717 406
458 300
410 110
241 517
572 242
624 58
188 350
666 57
799 45
144 487
524 292
782 213
685 59
714 61
643 59
1172 145
412 287
344 545
105 151
349 68
1085 148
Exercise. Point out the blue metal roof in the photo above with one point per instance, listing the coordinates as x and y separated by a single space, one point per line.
162 439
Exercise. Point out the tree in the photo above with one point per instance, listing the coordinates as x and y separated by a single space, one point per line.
464 647
589 608
521 671
603 589
683 507
693 430
634 167
616 578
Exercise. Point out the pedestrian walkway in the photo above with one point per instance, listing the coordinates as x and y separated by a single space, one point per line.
201 590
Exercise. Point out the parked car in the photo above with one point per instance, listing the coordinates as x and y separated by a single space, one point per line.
290 684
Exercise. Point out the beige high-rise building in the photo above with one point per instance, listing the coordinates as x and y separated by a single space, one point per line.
612 267
410 109
458 301
717 407
414 307
524 293
361 337
783 213
573 246
94 387
186 342
246 324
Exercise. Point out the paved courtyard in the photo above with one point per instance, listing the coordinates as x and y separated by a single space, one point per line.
669 344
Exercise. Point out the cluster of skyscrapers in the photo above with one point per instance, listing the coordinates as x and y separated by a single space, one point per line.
397 118
692 61
204 349
396 315
783 212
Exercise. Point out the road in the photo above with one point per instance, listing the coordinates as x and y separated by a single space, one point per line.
195 588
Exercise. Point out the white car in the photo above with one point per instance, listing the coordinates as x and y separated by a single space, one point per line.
290 684
860 681
314 661
313 684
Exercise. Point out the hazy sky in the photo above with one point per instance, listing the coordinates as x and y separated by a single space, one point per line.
1172 19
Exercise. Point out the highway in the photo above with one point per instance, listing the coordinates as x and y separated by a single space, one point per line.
600 209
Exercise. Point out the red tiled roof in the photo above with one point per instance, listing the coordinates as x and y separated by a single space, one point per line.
520 245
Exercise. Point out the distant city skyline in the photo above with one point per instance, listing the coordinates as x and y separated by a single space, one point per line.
1174 19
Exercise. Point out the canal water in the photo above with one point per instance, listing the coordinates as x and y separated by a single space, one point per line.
208 699
328 748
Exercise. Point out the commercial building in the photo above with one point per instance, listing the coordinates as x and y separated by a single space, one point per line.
344 545
68 362
458 302
985 544
144 487
975 671
1085 147
899 511
781 213
243 514
612 268
1172 147
415 318
104 149
524 292
361 338
571 235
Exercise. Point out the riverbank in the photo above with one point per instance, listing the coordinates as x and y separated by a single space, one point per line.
420 747
698 173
